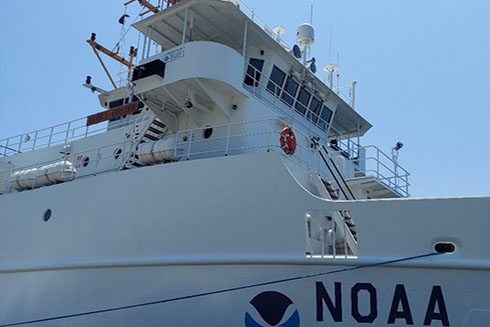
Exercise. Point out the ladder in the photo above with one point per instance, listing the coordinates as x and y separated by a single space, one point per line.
335 194
147 129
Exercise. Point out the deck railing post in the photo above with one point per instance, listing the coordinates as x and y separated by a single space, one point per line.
227 139
67 132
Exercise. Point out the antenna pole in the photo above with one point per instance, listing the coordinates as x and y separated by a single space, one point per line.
353 94
311 15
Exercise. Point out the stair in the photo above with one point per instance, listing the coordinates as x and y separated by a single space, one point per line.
334 195
145 132
155 131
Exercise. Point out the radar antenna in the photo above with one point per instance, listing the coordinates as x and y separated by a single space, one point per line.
278 31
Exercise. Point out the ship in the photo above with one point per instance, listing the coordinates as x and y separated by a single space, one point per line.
223 182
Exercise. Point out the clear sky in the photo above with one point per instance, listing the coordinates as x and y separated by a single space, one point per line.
422 69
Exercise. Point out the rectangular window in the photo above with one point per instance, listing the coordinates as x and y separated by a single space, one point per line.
254 72
290 89
325 118
303 100
116 103
315 107
276 81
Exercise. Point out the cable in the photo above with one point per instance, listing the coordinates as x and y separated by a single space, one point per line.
226 290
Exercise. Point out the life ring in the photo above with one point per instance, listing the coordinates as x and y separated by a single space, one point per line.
288 140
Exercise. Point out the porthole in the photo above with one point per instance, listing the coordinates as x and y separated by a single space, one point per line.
47 214
85 161
117 153
444 247
208 132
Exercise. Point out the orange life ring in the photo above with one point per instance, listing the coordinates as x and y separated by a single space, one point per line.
288 140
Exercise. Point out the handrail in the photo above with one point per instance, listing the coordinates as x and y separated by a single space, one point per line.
57 134
322 147
261 137
250 12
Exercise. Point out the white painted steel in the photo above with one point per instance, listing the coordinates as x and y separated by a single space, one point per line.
106 246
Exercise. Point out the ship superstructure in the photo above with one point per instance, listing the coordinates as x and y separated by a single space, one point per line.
223 150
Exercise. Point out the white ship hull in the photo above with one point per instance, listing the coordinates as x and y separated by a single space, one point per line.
65 292
184 229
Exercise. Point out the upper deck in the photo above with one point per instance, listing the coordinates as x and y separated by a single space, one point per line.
220 83
233 24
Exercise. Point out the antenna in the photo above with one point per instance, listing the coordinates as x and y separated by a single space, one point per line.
330 45
330 69
338 75
305 37
296 51
311 15
278 31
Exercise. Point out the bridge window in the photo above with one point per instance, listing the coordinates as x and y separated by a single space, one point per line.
254 72
290 89
303 100
314 112
325 117
276 81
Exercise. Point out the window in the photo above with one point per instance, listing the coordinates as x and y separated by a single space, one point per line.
116 103
289 92
303 100
315 107
254 72
276 81
156 67
325 117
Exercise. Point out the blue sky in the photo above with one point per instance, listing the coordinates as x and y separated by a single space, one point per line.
422 69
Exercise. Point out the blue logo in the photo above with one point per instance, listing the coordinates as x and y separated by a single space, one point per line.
272 308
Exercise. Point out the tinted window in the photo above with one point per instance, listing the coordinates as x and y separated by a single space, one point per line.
325 117
155 67
289 92
254 72
116 103
276 80
303 100
315 107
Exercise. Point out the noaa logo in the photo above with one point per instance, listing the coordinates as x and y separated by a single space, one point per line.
272 309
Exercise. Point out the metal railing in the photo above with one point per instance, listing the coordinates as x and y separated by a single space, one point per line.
261 135
376 163
57 134
250 12
328 236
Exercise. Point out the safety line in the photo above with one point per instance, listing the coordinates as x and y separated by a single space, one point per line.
233 289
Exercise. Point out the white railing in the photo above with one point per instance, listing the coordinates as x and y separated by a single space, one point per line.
250 12
376 163
328 236
238 138
58 134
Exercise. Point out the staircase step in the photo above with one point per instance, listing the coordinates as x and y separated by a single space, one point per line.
154 130
158 123
151 137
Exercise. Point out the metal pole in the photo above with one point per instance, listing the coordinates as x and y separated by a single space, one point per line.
184 33
149 42
245 35
353 94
